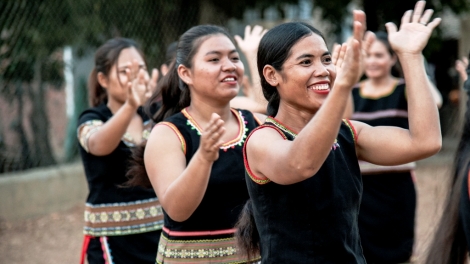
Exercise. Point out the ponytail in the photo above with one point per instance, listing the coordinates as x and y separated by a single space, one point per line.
137 174
246 234
174 93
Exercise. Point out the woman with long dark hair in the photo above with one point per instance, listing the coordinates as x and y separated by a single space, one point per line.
193 157
302 165
122 225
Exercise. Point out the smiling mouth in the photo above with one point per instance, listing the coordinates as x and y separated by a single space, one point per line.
229 79
324 87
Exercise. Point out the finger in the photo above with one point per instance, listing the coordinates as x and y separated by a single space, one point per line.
264 32
405 19
358 31
465 61
342 54
434 23
155 75
247 31
134 69
391 28
238 39
335 53
426 16
369 38
257 30
418 11
360 16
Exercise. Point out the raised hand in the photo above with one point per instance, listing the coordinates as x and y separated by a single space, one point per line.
249 44
211 139
367 40
137 85
414 31
347 58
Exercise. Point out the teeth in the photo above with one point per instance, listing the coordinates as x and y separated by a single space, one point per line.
230 79
319 87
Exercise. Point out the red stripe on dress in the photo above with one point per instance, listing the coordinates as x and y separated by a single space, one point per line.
199 233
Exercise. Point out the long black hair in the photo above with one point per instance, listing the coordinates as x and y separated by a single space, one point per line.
449 245
271 51
174 92
274 49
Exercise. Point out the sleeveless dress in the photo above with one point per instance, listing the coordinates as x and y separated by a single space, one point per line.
387 215
207 236
122 225
315 220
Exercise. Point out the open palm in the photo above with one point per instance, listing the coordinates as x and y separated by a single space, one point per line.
414 30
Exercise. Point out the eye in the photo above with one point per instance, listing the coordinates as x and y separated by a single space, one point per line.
327 60
214 59
306 62
236 58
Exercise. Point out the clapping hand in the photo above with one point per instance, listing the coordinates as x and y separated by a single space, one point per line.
138 85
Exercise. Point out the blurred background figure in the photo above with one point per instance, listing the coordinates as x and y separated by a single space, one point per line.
388 207
122 225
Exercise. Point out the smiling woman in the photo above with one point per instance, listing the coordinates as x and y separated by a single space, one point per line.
302 165
193 157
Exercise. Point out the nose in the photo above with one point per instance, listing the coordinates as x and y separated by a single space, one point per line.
321 71
228 65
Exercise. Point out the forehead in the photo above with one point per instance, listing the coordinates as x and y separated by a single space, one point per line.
128 55
378 46
311 44
217 42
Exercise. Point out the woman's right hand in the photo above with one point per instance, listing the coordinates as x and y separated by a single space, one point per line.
211 142
347 58
137 86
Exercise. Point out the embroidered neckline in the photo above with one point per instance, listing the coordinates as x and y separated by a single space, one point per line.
289 131
281 126
237 141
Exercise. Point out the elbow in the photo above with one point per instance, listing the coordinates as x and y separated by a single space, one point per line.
432 147
303 171
177 216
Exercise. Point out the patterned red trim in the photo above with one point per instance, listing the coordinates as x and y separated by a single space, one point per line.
177 132
353 129
199 233
253 177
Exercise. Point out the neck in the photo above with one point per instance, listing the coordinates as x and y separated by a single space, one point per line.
381 81
113 105
294 118
202 111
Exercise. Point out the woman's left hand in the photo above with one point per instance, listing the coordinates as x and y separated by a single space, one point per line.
414 31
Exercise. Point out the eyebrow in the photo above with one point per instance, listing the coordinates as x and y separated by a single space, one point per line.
306 55
127 66
218 52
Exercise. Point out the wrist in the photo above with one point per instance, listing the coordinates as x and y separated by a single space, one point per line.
130 106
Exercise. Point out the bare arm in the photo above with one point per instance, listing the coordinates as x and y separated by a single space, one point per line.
180 189
392 145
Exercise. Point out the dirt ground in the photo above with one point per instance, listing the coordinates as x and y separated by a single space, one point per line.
57 238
